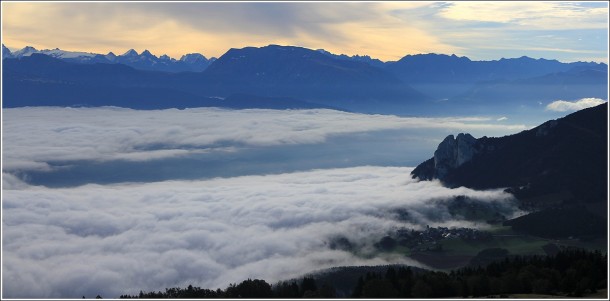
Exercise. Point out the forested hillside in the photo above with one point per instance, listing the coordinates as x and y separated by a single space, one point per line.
571 273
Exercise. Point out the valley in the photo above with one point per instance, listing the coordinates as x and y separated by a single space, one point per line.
286 150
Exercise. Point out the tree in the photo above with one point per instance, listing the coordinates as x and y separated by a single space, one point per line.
357 293
308 284
406 281
379 288
326 291
421 289
392 276
286 290
250 289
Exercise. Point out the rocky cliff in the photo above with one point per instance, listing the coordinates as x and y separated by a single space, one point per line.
452 153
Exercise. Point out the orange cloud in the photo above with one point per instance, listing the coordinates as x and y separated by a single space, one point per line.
350 28
384 30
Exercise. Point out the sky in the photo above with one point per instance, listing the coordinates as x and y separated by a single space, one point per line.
481 30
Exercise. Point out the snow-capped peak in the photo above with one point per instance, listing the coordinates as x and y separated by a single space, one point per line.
26 51
58 53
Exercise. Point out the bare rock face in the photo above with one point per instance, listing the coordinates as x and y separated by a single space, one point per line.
453 152
445 157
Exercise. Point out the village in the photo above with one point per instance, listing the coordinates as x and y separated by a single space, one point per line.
427 240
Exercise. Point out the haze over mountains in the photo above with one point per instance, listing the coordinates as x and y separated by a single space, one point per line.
294 77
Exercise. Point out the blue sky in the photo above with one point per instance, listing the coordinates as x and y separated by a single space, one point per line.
482 30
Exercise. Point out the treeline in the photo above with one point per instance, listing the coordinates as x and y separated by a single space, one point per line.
305 288
570 272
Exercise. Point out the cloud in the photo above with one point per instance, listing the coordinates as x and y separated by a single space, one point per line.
535 15
122 238
34 138
503 118
213 28
565 106
119 239
568 32
387 31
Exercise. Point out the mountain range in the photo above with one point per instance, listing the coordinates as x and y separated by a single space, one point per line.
415 84
194 62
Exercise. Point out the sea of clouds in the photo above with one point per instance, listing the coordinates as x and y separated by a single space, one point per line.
125 237
32 137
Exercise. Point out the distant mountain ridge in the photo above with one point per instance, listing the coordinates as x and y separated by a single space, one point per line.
419 84
416 68
272 72
359 58
441 68
461 80
194 62
304 73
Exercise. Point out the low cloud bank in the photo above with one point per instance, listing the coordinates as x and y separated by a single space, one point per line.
567 106
34 138
118 239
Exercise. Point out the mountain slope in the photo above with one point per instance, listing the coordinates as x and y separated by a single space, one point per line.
299 72
559 162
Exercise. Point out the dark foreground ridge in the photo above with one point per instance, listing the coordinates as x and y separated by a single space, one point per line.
560 162
573 273
558 170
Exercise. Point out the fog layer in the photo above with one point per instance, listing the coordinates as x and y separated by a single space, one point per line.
116 239
137 214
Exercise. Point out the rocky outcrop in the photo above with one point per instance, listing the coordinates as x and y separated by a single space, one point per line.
450 154
453 152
